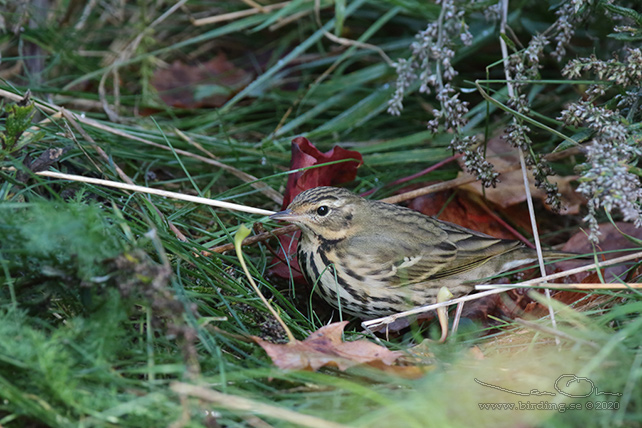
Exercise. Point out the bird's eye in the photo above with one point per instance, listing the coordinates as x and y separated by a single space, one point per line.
323 210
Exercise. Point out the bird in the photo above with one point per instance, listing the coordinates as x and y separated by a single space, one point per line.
371 259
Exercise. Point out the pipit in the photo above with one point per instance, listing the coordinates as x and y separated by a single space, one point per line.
370 258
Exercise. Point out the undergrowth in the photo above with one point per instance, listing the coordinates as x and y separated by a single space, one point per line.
109 298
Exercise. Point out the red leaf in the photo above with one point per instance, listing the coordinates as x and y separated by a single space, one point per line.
287 250
305 154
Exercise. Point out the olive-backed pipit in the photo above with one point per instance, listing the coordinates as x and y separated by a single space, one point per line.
371 258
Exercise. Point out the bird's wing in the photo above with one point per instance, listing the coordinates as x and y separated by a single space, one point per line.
473 249
432 250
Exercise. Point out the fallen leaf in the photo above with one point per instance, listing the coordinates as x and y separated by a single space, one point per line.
463 210
208 84
305 154
611 239
325 347
287 251
510 190
42 162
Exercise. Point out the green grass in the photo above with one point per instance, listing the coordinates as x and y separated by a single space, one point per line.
103 307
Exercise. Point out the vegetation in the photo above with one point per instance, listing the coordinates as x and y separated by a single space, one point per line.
114 310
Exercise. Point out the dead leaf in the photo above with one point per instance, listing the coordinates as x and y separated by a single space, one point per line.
42 162
287 251
305 154
208 84
510 190
325 347
463 210
610 240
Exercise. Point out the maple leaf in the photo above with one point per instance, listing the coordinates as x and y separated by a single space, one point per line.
325 347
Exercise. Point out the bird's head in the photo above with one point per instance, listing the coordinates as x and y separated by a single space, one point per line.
329 212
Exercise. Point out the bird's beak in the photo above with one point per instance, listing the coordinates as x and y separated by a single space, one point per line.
286 215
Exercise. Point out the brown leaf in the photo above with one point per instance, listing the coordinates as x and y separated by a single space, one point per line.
510 190
42 162
208 84
611 239
325 347
463 210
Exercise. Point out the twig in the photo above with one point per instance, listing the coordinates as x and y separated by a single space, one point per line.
242 233
553 332
574 286
251 406
245 177
566 272
239 14
159 192
438 187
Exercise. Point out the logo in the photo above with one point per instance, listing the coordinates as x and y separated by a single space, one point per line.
562 385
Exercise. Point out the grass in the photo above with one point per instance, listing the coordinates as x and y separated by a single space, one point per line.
108 304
